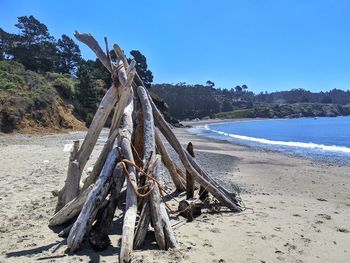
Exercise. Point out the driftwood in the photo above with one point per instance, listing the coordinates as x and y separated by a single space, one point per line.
189 177
203 179
98 193
88 212
98 238
114 128
70 210
203 193
190 208
71 187
178 181
131 200
149 156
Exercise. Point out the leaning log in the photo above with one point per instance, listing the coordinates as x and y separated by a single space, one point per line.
125 91
71 186
178 181
208 183
149 147
131 199
189 177
87 215
70 210
98 236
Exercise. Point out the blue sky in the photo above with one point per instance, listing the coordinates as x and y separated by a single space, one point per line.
268 45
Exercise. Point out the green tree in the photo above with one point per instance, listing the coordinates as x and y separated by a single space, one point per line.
226 106
210 83
86 91
69 55
6 40
142 68
34 47
238 89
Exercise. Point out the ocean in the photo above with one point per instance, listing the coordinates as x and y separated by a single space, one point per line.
323 138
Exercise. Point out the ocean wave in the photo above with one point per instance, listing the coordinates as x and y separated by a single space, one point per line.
313 146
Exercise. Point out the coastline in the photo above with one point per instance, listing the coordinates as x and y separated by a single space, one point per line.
298 208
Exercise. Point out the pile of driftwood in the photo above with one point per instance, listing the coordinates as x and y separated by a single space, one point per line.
127 169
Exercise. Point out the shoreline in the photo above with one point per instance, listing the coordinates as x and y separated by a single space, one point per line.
254 143
298 208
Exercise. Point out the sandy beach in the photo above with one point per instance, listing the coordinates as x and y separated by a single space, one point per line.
298 209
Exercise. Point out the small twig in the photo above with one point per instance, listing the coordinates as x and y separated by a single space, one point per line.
51 257
107 53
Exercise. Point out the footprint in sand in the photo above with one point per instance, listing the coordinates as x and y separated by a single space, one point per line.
325 216
277 228
343 230
215 230
290 246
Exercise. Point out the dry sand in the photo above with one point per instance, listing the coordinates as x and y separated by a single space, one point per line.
298 209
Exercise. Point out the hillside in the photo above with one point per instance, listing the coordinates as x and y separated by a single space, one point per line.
31 102
198 101
294 110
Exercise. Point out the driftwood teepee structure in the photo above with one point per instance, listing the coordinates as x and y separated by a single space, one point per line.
131 156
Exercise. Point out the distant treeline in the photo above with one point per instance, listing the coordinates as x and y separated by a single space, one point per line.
198 101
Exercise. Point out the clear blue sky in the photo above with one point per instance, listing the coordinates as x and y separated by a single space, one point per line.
268 45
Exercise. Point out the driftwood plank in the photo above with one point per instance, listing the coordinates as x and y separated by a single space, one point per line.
149 146
71 186
189 177
70 210
125 91
169 164
91 42
131 199
87 215
99 233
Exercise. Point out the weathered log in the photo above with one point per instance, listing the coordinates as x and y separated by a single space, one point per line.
71 209
169 234
154 201
203 193
106 105
149 147
138 136
107 102
190 208
65 231
91 42
142 226
71 187
98 193
131 200
178 181
125 91
98 237
189 177
181 173
205 180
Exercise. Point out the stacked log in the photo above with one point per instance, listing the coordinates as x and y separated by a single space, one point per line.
86 208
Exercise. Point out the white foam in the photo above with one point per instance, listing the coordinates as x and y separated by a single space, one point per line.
310 145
